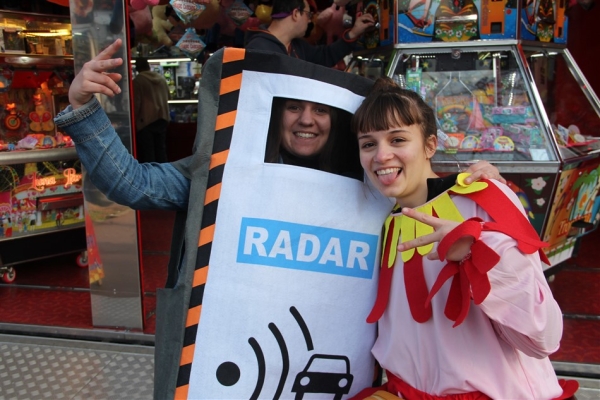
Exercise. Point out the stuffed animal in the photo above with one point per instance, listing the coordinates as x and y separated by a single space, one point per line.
141 4
41 118
209 16
161 25
331 21
142 21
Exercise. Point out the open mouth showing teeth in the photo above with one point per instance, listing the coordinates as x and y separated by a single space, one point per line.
388 171
305 135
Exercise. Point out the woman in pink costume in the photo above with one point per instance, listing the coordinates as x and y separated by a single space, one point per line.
463 306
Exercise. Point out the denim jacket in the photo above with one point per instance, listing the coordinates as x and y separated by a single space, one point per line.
113 170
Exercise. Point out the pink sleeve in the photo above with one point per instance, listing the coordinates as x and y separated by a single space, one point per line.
520 303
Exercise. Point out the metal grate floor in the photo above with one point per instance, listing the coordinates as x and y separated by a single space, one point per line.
34 368
40 368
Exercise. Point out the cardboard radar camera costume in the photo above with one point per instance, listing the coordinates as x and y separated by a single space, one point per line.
279 270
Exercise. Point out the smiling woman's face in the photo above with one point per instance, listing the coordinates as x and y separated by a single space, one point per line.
396 161
305 127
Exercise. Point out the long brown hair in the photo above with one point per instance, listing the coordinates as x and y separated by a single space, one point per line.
388 105
329 159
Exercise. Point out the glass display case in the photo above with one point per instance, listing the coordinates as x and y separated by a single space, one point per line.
41 200
482 98
41 208
573 111
526 109
183 79
35 34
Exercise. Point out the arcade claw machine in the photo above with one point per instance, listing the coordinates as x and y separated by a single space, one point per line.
504 89
573 110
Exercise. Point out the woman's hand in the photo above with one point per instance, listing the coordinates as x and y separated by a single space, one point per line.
459 250
483 170
95 78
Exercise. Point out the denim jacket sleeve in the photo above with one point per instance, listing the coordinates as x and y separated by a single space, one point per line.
113 170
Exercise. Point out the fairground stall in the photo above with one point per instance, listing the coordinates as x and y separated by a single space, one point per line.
505 89
47 208
41 204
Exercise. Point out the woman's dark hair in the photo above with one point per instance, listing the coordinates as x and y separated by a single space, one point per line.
387 105
339 155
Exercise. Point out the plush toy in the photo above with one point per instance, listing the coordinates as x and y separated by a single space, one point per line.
141 4
227 25
41 119
161 25
142 21
316 34
209 16
252 22
331 21
216 13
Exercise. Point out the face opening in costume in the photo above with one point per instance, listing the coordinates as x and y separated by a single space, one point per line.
312 135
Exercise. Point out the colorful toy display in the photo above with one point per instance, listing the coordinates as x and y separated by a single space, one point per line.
465 20
544 21
574 208
455 20
29 125
21 192
471 111
40 117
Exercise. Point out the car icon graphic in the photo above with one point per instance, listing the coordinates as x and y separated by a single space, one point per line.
317 378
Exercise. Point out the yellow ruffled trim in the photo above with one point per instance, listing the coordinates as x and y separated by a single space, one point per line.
406 229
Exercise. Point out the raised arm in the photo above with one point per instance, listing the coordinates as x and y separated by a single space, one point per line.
95 77
106 160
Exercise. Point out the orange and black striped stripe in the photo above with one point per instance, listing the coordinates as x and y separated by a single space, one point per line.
231 80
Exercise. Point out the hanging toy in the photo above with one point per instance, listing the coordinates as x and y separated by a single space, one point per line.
188 10
12 120
239 12
6 78
41 119
191 44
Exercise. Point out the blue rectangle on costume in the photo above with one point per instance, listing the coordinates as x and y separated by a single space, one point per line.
306 247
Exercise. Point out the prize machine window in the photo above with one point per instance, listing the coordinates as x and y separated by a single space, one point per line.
572 109
371 66
483 106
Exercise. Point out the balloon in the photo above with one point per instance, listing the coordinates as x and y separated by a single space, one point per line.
263 13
